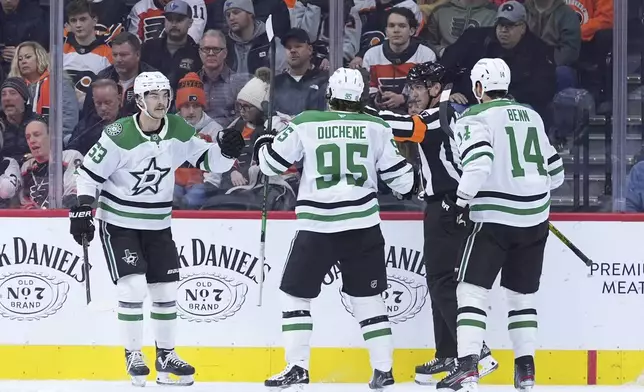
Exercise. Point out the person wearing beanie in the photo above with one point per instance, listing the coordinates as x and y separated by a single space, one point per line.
250 122
248 45
190 182
16 112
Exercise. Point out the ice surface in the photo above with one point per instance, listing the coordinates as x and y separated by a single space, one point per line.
93 386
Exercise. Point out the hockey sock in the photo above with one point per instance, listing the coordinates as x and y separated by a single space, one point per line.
371 313
522 323
130 294
163 314
470 318
297 328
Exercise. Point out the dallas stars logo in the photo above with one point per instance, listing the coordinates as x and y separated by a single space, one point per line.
130 257
149 178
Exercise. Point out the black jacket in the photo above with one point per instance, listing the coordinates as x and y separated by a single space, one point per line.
27 23
15 143
293 97
531 62
129 104
156 54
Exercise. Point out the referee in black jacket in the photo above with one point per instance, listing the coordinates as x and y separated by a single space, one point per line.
441 170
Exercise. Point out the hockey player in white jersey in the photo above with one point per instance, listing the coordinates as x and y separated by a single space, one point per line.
503 199
343 152
131 169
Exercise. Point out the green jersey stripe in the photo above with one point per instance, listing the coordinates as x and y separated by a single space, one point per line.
556 171
338 217
133 215
478 155
511 210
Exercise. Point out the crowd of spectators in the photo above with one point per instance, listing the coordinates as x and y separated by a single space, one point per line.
216 54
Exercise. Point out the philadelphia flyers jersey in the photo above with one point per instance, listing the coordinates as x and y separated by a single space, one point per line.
389 70
147 22
83 63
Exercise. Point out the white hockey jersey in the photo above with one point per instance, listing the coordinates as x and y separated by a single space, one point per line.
509 166
343 154
146 20
134 171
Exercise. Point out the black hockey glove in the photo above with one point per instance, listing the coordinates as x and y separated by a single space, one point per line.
81 223
453 217
231 142
264 139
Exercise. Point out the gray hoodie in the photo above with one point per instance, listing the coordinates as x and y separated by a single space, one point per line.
558 26
242 49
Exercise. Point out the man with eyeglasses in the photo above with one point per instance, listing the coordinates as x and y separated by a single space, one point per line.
221 84
529 58
176 53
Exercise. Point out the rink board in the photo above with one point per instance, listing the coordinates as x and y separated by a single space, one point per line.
589 318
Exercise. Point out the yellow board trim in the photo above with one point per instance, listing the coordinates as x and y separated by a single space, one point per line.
342 365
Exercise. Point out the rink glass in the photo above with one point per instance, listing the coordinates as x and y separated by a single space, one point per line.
597 181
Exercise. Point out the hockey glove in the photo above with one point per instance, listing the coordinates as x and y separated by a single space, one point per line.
81 223
231 142
453 217
262 140
414 188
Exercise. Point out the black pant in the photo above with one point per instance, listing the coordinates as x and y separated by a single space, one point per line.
360 254
516 252
441 251
149 252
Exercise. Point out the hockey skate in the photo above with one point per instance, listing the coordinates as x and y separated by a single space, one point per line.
464 377
136 367
524 373
487 363
293 377
426 373
381 380
168 363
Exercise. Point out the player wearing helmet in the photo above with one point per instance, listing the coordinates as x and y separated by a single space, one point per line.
131 169
343 152
503 202
441 168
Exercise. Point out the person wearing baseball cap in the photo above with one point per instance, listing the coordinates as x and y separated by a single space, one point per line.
303 86
176 52
510 24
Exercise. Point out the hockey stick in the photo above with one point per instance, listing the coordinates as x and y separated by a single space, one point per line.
88 291
271 92
570 245
444 121
442 110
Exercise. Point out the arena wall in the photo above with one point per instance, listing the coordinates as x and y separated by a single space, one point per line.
590 319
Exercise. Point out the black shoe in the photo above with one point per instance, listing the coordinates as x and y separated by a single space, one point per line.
168 363
425 372
292 375
380 380
524 373
464 376
136 367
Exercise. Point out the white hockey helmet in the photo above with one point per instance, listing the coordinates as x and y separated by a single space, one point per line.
150 81
346 84
493 74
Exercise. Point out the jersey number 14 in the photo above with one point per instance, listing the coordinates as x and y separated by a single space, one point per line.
531 152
